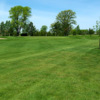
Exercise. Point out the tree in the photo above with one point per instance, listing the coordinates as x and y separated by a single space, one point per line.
56 28
66 19
12 31
84 32
7 28
73 32
32 29
19 17
97 29
29 29
2 28
44 30
91 31
78 31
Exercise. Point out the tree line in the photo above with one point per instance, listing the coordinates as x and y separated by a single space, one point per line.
63 26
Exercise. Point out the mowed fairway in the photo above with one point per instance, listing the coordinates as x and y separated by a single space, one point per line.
50 68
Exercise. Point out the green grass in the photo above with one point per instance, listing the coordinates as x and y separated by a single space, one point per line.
50 68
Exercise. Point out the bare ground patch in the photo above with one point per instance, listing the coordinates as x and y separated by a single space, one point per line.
2 38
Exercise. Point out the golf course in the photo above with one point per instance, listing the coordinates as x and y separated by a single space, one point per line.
50 68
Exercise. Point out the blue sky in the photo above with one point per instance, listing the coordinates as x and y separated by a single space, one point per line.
44 12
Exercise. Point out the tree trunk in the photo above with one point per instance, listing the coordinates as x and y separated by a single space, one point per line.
17 32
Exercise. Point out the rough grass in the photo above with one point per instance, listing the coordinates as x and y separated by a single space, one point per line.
50 68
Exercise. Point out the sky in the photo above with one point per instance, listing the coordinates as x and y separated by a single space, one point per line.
44 12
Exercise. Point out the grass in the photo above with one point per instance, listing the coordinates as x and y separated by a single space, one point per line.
50 68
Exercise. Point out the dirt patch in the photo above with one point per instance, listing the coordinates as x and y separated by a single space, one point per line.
2 38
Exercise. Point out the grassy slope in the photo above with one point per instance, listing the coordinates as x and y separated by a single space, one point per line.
49 68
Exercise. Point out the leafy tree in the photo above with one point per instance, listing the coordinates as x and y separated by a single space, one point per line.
66 19
2 28
56 28
29 29
49 33
7 28
73 32
84 31
12 31
32 29
78 31
91 31
37 32
97 29
19 17
44 30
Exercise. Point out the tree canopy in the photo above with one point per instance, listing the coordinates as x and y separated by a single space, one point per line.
63 26
43 30
66 18
19 16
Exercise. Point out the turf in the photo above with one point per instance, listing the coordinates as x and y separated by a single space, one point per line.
50 68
